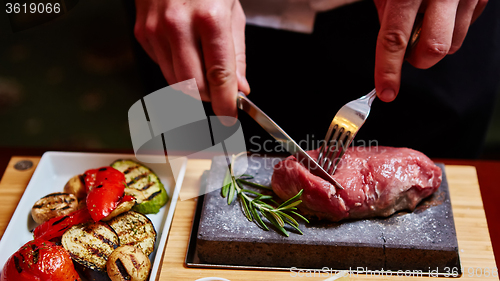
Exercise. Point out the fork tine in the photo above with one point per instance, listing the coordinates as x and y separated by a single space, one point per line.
328 151
339 147
346 141
324 146
332 148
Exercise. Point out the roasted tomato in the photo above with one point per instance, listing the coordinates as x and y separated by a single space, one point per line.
39 260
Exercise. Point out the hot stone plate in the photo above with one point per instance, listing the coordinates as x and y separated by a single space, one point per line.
424 239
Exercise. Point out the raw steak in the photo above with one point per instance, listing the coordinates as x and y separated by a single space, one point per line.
377 181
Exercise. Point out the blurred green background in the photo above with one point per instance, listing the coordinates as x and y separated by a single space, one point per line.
68 84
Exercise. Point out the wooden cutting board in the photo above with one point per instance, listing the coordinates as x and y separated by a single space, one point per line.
475 248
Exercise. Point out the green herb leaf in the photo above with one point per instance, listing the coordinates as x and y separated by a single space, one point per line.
254 184
289 218
300 216
289 201
226 183
245 207
254 205
232 191
291 205
273 221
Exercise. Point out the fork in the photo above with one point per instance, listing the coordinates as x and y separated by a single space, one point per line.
344 127
352 116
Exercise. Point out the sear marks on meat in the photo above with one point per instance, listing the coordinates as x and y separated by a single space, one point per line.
377 181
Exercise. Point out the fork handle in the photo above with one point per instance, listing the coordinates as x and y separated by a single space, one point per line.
370 97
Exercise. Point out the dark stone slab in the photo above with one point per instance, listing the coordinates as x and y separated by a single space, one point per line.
421 240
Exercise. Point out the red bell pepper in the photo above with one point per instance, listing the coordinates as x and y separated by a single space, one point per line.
105 190
94 177
56 227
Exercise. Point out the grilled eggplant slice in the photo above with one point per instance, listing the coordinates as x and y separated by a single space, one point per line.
135 229
53 205
90 245
144 185
128 263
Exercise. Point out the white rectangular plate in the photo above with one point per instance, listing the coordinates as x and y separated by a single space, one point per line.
56 168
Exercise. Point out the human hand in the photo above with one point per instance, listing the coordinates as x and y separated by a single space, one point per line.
444 27
201 39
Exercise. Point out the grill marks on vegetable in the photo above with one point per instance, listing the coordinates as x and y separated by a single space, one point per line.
122 270
129 169
16 263
136 179
135 229
61 200
59 221
91 244
36 253
141 182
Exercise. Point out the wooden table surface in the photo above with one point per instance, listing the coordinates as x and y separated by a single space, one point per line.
475 246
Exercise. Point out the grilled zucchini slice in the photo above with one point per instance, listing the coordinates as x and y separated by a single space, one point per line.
90 245
144 185
135 229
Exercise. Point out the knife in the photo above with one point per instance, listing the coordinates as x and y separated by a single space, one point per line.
283 138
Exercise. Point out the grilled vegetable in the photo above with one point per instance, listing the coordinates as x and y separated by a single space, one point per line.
135 229
144 185
105 190
53 205
128 263
90 245
56 227
127 203
76 186
39 260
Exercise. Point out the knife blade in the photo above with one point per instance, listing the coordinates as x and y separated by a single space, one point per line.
283 138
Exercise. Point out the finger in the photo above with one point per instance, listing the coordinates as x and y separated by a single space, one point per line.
156 35
465 11
219 58
481 4
238 28
436 34
380 5
140 35
185 52
395 29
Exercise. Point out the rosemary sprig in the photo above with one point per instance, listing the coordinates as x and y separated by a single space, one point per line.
253 203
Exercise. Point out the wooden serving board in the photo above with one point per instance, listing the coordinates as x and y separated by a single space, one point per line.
475 248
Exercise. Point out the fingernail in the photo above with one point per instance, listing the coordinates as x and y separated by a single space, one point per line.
388 95
227 120
245 81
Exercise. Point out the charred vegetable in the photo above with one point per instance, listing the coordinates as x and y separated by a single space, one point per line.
76 186
39 260
144 185
123 207
56 227
53 205
135 229
90 245
105 191
128 263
